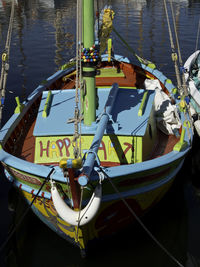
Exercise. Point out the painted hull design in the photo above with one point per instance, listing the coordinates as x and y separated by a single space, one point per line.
134 155
141 192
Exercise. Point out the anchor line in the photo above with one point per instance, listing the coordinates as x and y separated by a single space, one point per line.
26 211
139 221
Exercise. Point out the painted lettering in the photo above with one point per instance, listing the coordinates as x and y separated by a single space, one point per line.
53 149
44 149
67 144
111 148
60 145
103 147
129 146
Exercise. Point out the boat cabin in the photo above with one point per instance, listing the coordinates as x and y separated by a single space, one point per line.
128 137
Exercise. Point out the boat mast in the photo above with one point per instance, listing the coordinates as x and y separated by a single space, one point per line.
89 97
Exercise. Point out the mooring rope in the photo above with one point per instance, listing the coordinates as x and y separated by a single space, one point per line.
26 211
5 62
139 221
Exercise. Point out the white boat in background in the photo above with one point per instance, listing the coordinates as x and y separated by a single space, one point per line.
192 77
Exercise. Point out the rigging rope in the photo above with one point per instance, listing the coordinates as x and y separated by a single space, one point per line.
5 62
77 118
174 55
139 221
77 115
182 87
197 36
179 52
140 59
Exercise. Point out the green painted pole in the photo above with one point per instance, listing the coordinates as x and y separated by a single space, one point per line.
88 71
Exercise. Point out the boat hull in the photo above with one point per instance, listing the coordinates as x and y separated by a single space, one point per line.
139 171
141 191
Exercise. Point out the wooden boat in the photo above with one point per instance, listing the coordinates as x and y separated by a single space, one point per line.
192 77
76 168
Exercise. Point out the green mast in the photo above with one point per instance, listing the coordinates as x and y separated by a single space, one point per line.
89 97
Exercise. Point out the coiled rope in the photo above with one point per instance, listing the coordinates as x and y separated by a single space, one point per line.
5 62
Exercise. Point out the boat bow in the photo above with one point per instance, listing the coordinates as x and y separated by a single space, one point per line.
81 217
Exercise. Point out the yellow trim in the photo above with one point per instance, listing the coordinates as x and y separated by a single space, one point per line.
109 49
182 144
168 81
110 72
68 76
187 124
19 107
137 149
75 163
174 56
47 105
142 105
151 65
124 87
4 57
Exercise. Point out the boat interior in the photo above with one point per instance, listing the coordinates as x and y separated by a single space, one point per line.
138 138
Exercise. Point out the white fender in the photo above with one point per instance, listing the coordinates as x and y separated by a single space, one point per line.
77 217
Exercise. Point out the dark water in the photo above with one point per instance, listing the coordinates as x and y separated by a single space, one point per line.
43 39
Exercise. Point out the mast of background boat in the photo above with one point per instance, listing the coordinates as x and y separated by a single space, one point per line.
89 97
5 62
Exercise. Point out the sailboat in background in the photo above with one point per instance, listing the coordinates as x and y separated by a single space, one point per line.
98 143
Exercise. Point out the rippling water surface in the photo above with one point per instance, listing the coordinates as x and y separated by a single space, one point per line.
43 39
